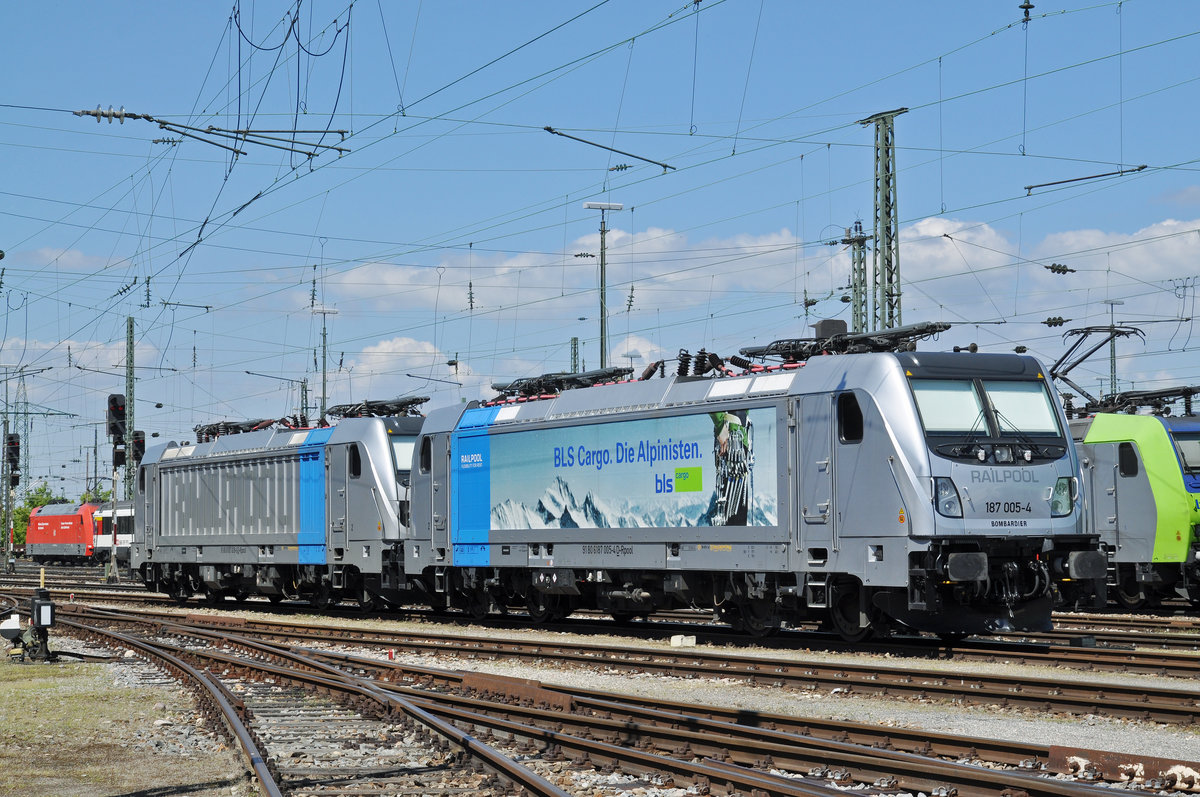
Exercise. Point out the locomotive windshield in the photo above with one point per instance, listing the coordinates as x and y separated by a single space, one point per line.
402 450
1188 444
1004 417
949 405
1022 407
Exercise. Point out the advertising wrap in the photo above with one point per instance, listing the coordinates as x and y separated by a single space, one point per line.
702 469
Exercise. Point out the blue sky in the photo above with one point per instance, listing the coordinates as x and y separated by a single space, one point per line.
448 229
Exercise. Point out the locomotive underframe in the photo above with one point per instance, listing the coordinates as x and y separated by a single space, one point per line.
955 587
1136 585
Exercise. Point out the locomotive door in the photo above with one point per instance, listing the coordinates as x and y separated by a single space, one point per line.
1100 493
145 519
336 502
439 494
1120 501
818 531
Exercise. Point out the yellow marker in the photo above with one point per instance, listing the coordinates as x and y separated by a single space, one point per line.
901 519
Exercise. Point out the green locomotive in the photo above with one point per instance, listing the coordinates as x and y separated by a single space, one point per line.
1142 493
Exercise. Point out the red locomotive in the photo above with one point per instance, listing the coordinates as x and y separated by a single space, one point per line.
64 533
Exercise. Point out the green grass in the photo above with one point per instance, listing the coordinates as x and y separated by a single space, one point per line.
67 731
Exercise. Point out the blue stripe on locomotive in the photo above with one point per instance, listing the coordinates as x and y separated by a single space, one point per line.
311 539
470 461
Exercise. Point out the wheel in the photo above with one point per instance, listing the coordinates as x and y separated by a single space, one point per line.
1129 593
241 595
542 608
478 604
322 599
275 597
179 594
214 597
845 612
952 637
366 601
758 619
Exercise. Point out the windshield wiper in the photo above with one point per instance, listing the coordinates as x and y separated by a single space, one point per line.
1034 448
969 444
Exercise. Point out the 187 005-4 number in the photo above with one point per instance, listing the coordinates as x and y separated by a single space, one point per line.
1007 507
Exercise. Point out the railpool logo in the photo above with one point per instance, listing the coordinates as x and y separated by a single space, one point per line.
686 480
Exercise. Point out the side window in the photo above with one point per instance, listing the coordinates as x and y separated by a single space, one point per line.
426 455
850 419
1127 460
355 461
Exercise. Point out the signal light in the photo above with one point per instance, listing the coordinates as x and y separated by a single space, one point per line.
116 416
139 446
12 451
118 456
1055 321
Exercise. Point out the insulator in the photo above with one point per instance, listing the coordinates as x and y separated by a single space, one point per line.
1187 405
700 364
685 362
740 362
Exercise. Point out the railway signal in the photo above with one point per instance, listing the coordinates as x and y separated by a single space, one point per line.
12 457
118 455
138 446
116 416
12 451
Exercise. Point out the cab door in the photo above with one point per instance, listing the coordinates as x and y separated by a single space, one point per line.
436 459
819 521
337 471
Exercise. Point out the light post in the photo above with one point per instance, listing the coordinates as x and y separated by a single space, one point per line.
323 312
1112 345
603 207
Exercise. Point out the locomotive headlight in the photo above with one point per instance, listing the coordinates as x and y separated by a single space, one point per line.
1062 499
945 497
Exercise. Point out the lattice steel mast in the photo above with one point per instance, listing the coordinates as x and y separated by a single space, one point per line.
886 278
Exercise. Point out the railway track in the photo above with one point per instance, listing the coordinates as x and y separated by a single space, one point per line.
577 736
1072 629
1116 652
1063 694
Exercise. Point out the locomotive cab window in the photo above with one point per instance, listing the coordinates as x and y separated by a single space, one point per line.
426 455
1022 407
850 418
355 461
949 405
1127 460
402 449
997 420
1188 445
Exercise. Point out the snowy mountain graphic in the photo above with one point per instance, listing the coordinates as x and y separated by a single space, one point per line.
558 508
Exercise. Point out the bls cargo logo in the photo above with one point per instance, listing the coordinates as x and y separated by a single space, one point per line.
687 480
